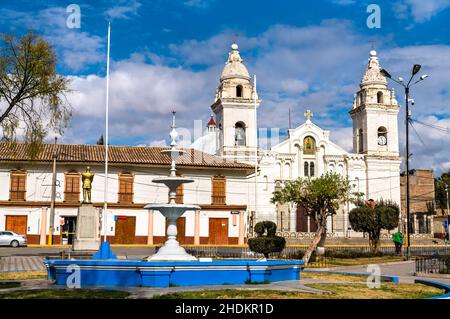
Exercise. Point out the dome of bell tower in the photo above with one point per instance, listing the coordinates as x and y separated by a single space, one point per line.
372 76
234 67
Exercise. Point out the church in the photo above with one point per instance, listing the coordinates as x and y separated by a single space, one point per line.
373 166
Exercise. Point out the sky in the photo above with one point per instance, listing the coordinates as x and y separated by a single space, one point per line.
168 55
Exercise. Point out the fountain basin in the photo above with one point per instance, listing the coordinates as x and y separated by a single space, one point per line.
140 273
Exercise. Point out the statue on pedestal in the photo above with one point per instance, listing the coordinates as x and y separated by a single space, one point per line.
87 178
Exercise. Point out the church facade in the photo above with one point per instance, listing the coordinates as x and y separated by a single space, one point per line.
373 166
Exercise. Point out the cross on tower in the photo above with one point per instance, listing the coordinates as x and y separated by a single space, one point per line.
372 43
308 115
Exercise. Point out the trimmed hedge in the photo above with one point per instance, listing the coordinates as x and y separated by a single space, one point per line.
266 241
353 254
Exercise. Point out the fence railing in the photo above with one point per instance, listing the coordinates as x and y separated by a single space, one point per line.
433 264
292 252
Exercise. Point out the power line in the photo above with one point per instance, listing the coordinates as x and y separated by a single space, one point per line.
436 127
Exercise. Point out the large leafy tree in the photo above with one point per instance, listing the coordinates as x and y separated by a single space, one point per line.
439 185
373 219
32 94
321 198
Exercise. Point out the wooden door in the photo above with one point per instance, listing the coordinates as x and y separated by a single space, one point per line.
181 229
17 224
218 231
125 230
302 220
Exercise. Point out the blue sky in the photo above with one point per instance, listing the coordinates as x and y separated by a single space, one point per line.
305 54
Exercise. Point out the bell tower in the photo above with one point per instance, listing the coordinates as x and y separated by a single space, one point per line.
234 108
375 114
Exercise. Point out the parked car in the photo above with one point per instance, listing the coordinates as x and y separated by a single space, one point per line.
9 238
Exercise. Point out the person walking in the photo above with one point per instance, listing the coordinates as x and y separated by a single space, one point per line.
397 238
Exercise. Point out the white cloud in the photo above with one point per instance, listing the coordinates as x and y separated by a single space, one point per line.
158 143
293 86
141 99
420 10
125 10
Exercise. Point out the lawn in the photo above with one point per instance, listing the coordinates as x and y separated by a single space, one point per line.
334 291
9 284
362 261
64 294
332 277
23 275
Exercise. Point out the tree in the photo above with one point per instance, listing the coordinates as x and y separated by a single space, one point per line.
32 94
439 185
371 220
100 140
320 197
266 241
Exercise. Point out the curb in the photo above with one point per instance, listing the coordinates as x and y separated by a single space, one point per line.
435 284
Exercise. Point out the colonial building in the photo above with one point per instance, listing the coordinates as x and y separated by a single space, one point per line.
422 204
220 189
373 166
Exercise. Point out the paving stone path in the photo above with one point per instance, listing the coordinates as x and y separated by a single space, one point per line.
21 263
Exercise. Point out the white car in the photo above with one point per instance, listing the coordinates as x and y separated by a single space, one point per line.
9 238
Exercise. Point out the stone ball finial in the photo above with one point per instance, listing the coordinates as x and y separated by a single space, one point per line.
373 53
234 46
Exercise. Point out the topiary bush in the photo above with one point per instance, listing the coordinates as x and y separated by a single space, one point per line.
266 241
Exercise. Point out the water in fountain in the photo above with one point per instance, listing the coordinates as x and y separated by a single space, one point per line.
171 250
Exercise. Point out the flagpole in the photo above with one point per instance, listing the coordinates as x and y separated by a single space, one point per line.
256 146
105 196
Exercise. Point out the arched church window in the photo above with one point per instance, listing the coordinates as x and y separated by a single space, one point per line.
360 141
239 91
382 136
380 97
306 169
239 134
309 145
311 169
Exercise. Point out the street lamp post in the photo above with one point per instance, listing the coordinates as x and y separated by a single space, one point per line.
415 70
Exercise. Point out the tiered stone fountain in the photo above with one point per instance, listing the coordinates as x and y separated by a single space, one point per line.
171 250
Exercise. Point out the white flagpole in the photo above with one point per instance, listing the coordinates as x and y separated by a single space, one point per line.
256 146
105 196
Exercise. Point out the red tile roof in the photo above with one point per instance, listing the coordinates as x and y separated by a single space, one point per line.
138 155
211 121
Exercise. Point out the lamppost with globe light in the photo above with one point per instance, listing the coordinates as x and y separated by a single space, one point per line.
415 70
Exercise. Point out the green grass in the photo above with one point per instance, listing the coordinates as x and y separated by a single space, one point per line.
64 294
249 282
23 275
386 291
9 284
331 291
362 261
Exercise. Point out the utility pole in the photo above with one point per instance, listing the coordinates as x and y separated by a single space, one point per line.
446 193
415 70
52 203
408 217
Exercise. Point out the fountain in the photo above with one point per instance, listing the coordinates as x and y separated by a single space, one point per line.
171 265
171 250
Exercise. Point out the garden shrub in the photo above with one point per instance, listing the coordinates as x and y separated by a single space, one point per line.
266 241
